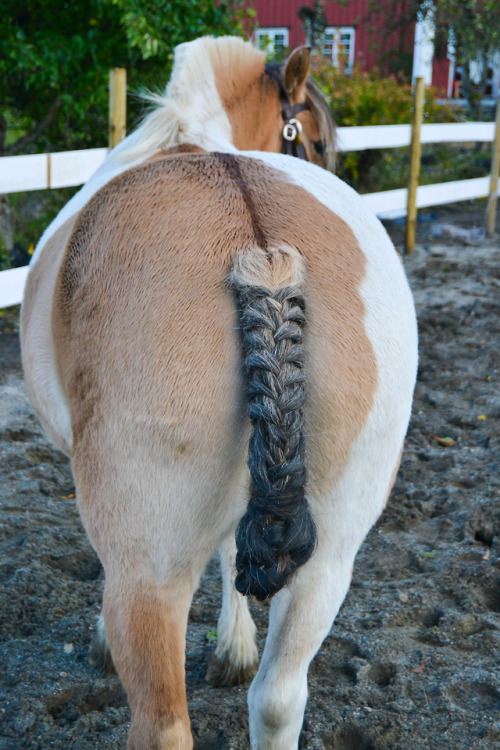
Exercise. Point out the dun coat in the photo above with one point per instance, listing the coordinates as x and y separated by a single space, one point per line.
223 340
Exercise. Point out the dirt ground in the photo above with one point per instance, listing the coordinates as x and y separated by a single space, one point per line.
412 660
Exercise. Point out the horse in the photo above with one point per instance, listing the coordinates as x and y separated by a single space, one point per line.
222 338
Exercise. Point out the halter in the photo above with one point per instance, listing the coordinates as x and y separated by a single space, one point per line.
292 129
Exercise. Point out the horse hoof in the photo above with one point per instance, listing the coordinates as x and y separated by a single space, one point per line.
100 655
221 673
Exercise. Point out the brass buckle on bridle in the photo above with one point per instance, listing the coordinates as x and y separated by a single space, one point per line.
292 129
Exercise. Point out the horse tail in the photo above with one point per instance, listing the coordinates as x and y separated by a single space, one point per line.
277 533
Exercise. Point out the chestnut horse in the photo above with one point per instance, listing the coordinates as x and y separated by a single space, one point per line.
201 293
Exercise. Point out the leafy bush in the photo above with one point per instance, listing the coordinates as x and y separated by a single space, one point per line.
32 212
361 98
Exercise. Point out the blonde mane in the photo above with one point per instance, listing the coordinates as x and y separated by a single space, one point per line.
191 110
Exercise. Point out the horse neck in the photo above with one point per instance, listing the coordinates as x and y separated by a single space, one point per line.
204 122
255 118
250 102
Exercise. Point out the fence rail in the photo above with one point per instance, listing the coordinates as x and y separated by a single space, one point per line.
70 168
393 136
42 171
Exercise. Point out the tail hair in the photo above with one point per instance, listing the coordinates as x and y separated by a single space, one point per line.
277 533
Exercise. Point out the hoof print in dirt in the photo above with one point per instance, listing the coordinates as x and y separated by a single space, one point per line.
348 738
383 675
430 617
77 700
83 566
482 695
212 742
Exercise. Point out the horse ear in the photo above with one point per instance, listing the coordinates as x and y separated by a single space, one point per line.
296 71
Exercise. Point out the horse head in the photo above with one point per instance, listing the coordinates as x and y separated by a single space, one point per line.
222 96
279 108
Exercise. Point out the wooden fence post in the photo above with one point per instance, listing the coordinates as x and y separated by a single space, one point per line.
415 149
117 106
495 163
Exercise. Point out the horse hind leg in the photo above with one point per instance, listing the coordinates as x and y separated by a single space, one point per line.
235 658
148 589
146 626
300 618
302 613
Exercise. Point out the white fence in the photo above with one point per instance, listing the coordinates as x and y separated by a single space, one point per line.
19 173
41 171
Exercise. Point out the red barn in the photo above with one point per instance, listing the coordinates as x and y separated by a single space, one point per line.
355 35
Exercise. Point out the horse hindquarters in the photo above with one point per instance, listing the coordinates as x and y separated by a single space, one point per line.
149 359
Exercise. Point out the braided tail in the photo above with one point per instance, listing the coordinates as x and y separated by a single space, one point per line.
277 533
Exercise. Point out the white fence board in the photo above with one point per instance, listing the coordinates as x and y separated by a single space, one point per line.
394 136
373 136
452 192
75 167
457 132
12 286
391 204
42 171
18 173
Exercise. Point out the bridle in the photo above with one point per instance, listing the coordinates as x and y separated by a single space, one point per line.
292 129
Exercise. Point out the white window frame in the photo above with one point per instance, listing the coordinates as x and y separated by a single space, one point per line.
266 38
335 33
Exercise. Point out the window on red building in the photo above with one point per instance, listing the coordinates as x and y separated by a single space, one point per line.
273 40
339 46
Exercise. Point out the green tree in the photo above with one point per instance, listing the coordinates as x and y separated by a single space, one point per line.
472 25
55 57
